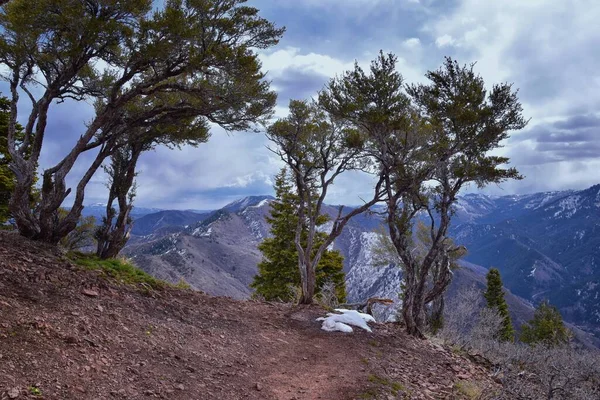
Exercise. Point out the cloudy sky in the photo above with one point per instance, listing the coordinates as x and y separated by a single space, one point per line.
548 49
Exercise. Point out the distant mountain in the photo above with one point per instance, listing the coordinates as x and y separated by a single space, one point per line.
150 223
98 210
250 201
546 245
217 254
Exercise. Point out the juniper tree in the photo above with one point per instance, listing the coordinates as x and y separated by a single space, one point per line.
278 275
187 59
546 327
494 296
117 223
465 123
112 235
428 142
316 149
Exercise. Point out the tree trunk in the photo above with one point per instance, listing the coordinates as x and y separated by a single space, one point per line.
112 238
308 286
436 317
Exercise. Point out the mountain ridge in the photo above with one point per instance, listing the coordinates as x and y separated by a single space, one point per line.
523 236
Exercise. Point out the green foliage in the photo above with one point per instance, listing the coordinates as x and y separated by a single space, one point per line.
120 270
83 234
395 388
157 74
494 296
7 177
470 390
546 327
428 141
278 273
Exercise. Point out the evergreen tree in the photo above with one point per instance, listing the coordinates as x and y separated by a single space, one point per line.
7 177
495 300
546 327
278 274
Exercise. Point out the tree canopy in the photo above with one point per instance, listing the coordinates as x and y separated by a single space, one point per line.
187 63
426 142
546 327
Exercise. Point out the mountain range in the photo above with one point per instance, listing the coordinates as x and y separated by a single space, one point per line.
546 246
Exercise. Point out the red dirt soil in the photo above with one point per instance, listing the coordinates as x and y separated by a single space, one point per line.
69 333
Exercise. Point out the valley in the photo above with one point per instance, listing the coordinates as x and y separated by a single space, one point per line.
546 245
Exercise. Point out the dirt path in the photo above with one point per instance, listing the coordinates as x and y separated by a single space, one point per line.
71 334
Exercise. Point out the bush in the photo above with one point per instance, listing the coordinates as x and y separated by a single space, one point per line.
120 270
525 372
546 327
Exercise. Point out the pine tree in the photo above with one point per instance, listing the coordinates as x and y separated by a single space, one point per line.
278 274
546 327
495 299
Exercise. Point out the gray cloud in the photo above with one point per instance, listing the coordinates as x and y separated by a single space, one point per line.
545 48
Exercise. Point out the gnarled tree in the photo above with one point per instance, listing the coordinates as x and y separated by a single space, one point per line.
465 123
317 149
427 142
192 59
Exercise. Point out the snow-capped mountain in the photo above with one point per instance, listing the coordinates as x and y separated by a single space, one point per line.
546 245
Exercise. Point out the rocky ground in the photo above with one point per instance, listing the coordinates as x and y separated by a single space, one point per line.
68 333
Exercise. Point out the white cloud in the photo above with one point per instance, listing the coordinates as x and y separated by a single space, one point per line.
412 43
276 62
444 40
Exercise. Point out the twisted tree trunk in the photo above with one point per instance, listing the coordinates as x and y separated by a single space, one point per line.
112 238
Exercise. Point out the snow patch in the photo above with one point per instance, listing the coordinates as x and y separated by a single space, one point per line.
341 322
567 206
532 273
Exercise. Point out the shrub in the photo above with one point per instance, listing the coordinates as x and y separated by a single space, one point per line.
525 372
119 269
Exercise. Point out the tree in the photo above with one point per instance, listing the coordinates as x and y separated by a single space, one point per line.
494 296
546 327
278 274
7 177
316 149
113 234
427 143
187 60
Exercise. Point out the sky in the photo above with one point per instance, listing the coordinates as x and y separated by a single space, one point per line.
548 49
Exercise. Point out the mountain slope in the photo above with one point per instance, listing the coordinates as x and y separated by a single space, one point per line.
68 333
546 245
150 223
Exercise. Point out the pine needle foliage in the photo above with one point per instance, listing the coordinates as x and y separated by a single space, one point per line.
494 296
278 276
546 327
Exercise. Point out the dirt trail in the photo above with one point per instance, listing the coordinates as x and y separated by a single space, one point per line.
66 333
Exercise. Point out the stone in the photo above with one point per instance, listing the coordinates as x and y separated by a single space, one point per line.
13 393
90 292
